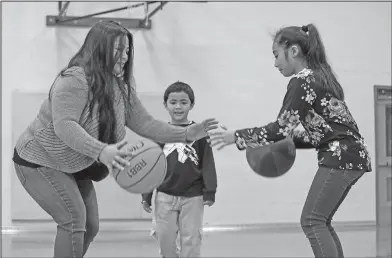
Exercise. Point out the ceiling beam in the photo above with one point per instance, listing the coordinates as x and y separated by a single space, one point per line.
62 20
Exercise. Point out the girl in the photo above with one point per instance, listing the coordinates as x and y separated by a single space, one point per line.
314 99
76 136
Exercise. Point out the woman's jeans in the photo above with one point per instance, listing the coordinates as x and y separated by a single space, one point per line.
328 190
72 205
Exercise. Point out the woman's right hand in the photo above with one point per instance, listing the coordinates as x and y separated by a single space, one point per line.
112 157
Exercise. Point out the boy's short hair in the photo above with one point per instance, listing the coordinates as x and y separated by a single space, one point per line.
179 87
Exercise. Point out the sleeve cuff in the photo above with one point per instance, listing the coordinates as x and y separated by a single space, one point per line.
147 198
210 196
239 141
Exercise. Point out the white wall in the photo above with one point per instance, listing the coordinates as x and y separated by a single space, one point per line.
224 51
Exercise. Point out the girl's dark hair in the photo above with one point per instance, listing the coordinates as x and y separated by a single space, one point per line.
96 58
309 41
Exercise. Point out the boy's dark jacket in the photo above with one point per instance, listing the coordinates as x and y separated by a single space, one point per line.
190 170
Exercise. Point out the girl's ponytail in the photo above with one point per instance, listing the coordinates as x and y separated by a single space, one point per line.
317 61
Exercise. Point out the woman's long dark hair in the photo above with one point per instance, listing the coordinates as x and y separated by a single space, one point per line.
97 59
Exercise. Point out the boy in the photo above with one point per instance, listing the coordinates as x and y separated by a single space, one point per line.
190 184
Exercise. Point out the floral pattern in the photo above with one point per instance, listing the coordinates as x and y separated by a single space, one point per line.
325 120
288 121
337 110
336 148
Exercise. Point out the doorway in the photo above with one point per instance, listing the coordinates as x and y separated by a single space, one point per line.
383 165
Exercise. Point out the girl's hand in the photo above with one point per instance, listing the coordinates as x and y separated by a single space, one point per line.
221 138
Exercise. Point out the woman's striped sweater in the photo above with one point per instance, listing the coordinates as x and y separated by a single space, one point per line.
62 138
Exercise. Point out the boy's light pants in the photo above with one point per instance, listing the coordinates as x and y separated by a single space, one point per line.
178 225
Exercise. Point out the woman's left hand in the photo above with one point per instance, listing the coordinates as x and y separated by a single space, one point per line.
221 138
200 130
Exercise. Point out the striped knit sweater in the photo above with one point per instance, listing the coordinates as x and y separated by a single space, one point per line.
60 138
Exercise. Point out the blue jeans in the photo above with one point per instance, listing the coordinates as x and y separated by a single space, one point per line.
327 192
72 205
178 225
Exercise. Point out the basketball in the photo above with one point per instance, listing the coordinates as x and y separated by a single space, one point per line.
272 160
147 170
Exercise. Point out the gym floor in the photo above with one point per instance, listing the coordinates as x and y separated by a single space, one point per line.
255 242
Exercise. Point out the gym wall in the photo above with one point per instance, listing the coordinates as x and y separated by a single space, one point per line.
224 51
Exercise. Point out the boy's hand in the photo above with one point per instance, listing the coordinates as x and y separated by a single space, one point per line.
146 207
209 203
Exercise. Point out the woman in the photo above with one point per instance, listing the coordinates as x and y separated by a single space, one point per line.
79 130
314 99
